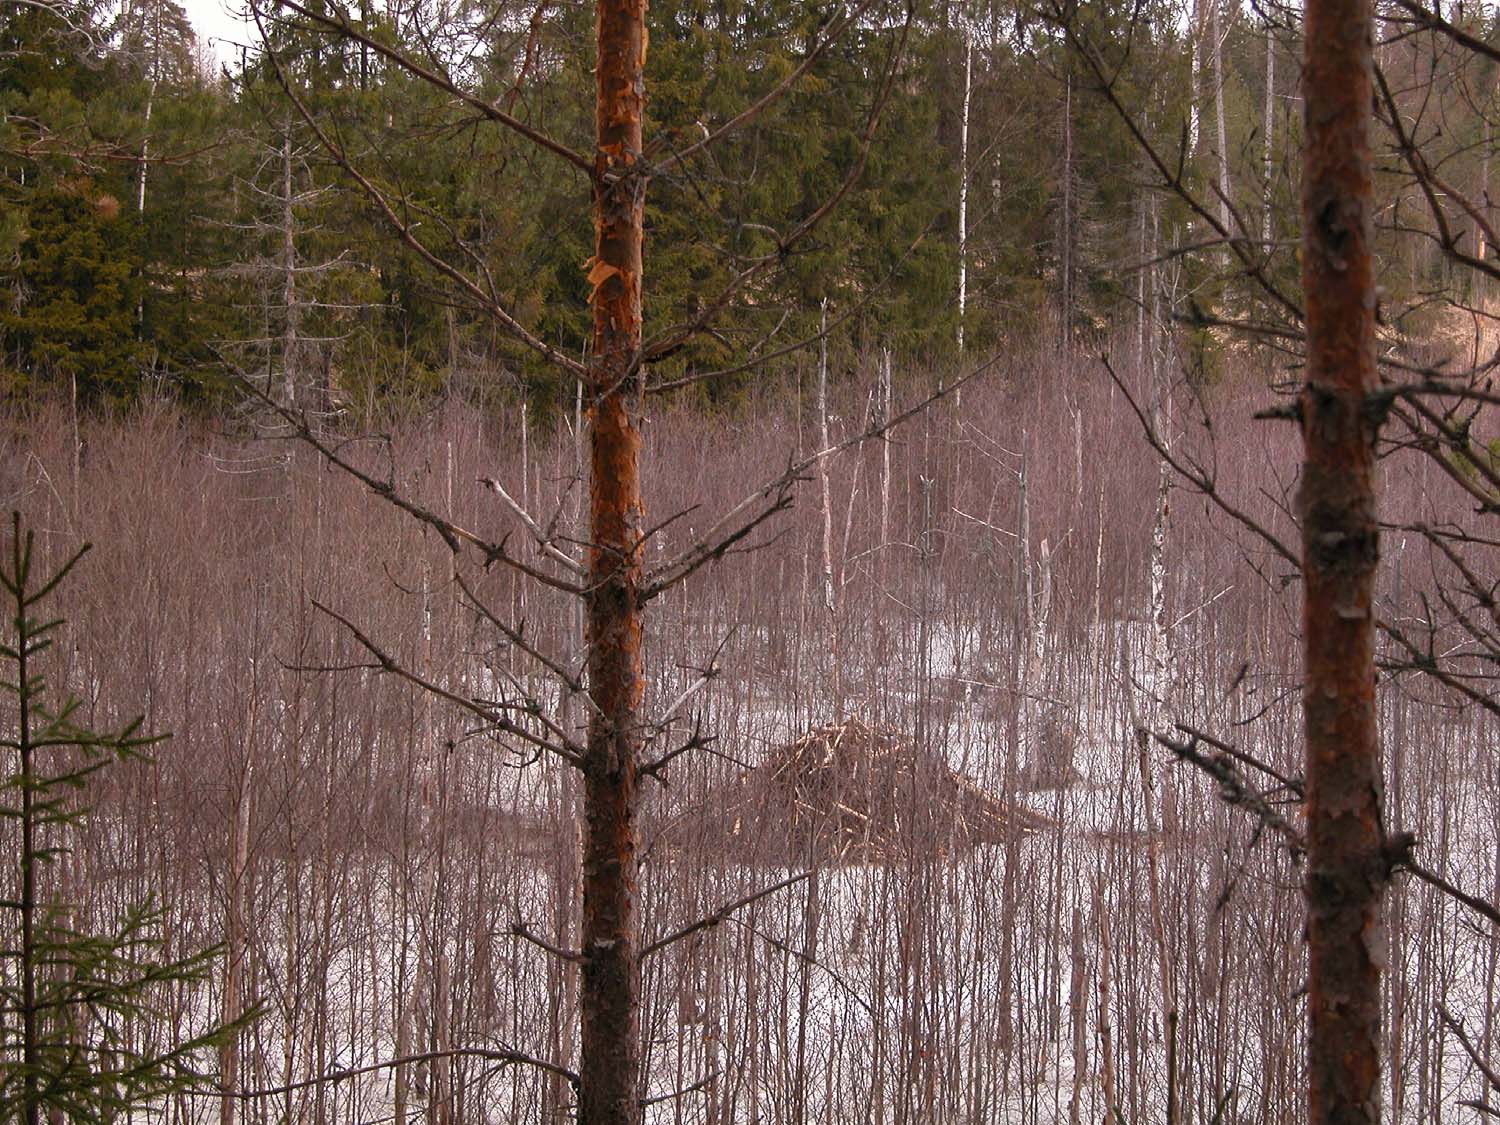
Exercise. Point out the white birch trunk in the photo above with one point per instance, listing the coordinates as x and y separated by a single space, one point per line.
1195 75
1222 132
140 193
830 601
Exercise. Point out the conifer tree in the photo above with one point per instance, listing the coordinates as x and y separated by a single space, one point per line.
74 1004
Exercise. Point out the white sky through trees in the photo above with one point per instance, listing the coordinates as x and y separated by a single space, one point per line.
220 25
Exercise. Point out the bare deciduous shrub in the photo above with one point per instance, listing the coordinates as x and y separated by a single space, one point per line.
402 867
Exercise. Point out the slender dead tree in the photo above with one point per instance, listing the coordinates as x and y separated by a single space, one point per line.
1346 867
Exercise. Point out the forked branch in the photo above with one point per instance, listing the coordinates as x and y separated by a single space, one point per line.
336 20
564 748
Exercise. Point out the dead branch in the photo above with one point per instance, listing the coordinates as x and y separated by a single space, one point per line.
785 243
695 741
522 931
1234 790
836 30
1472 1051
1197 476
693 1089
566 749
1063 15
489 1054
573 681
452 535
545 542
708 921
407 234
336 20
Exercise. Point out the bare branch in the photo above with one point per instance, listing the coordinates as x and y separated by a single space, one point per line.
1485 1068
568 750
1063 15
1197 476
407 234
694 1088
454 536
836 29
339 22
544 541
522 931
1235 791
1433 21
488 1054
785 243
1292 784
696 741
721 915
1424 661
573 681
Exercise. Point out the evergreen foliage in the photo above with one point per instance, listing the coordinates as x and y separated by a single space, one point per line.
140 238
78 1023
78 270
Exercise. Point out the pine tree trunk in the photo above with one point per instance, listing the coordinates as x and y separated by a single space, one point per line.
610 1064
1268 138
1346 872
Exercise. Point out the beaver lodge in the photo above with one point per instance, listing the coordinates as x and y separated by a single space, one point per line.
847 794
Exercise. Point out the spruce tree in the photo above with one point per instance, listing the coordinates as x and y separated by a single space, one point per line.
76 1006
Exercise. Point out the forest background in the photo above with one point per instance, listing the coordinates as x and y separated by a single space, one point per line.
170 219
1042 186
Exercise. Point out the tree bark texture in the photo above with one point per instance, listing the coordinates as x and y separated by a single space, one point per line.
1346 872
610 1064
1268 135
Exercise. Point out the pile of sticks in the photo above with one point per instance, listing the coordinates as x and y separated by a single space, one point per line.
848 794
